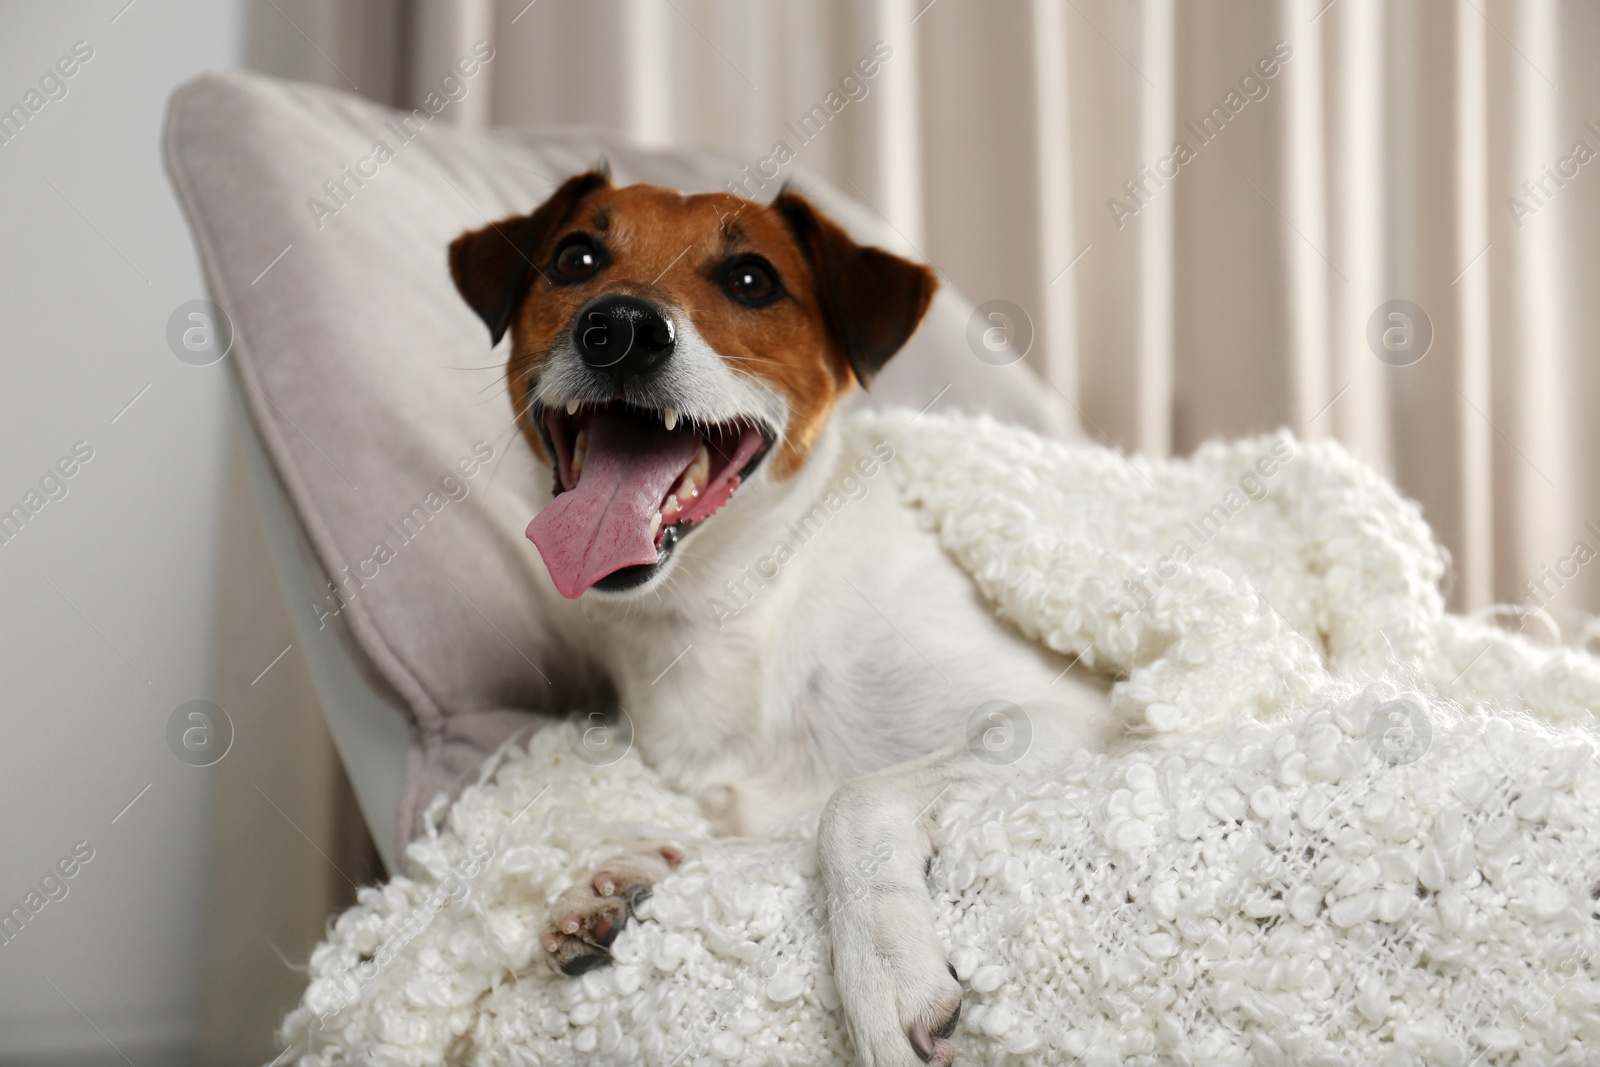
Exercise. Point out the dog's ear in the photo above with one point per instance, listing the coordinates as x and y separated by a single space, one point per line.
493 267
871 300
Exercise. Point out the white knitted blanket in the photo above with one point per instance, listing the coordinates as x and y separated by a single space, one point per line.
1353 828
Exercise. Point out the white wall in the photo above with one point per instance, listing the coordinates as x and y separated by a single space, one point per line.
107 596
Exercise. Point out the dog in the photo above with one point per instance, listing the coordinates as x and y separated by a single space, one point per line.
675 360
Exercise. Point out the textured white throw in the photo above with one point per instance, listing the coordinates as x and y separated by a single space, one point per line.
1349 828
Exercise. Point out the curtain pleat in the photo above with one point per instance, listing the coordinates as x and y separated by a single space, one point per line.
1475 473
438 35
645 37
1537 513
1057 325
1354 77
1105 90
1156 221
1312 276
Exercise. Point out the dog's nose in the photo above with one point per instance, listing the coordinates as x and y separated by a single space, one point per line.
623 336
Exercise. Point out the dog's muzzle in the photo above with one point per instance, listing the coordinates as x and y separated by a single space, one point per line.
623 336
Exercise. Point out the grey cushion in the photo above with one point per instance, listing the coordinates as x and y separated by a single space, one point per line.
376 394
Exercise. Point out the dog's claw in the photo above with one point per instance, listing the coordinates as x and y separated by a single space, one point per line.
584 964
607 927
933 1045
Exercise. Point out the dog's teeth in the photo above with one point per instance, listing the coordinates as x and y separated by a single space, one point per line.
669 418
698 472
694 479
580 449
655 524
572 407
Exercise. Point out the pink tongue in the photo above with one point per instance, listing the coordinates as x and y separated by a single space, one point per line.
603 523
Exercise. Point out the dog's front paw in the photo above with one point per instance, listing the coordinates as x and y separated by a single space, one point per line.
587 918
900 996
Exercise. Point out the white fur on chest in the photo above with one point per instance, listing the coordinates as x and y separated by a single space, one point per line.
811 636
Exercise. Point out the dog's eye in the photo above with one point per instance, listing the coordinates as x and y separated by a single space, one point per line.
577 259
752 281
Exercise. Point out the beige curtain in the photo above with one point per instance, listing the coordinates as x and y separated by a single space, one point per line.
1206 210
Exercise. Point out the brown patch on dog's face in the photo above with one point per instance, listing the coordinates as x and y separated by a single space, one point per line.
780 292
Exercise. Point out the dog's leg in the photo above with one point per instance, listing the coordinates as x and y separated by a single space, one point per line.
900 995
587 918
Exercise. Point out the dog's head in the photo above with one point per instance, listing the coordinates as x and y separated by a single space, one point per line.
666 349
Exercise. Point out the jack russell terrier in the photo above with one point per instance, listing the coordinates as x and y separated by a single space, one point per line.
675 359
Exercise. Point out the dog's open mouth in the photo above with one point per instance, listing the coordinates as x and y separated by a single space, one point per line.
628 487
